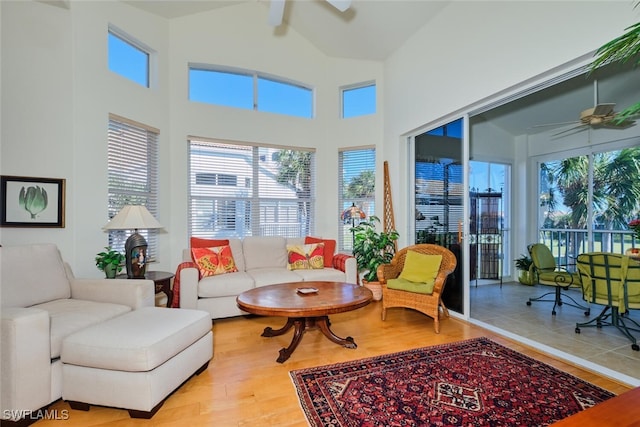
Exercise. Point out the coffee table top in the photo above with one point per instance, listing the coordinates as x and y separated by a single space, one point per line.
285 300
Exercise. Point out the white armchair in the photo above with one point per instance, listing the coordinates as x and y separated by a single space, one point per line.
42 303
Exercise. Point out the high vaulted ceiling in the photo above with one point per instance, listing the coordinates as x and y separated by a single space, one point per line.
367 30
374 29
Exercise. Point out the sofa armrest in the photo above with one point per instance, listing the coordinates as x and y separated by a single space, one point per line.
347 264
134 293
189 278
25 361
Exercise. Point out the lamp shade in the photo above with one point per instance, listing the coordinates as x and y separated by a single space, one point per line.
133 217
352 213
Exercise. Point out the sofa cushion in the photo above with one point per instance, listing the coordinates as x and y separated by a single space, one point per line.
329 248
271 276
138 341
325 274
264 252
70 315
409 286
32 274
224 285
214 261
305 257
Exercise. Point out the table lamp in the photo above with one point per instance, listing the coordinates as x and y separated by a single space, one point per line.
134 217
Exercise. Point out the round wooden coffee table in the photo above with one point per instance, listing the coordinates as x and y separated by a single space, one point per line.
305 308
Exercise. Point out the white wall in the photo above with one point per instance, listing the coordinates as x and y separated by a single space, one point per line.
57 93
37 113
473 50
55 62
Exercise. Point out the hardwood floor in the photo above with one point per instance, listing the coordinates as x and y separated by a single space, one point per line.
244 386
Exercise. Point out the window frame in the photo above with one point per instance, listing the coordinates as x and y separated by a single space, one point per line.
256 76
368 204
137 133
259 211
356 86
151 55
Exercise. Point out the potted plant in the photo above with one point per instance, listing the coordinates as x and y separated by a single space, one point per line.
110 261
525 275
372 248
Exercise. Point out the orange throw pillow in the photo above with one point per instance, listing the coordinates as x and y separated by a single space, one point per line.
214 261
197 242
329 248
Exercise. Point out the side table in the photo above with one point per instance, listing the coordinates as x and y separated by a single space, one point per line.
162 281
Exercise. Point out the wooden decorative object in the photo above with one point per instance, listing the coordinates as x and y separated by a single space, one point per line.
388 218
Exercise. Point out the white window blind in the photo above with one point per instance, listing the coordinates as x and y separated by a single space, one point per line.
238 190
356 185
133 175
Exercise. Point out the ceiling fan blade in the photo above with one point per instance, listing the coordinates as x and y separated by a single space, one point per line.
554 124
276 12
341 5
578 128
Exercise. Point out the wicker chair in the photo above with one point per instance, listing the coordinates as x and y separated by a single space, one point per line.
429 304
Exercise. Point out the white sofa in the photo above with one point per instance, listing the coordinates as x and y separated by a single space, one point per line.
41 304
260 261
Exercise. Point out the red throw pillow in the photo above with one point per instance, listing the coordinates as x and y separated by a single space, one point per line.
197 242
329 248
214 261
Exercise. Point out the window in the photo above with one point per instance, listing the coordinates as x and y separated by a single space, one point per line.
128 58
275 196
133 175
249 90
356 186
358 100
586 202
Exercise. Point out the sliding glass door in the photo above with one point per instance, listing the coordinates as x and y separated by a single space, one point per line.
439 199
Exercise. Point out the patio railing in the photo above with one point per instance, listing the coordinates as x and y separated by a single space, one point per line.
567 244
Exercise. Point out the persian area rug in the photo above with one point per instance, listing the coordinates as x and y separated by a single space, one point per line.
475 382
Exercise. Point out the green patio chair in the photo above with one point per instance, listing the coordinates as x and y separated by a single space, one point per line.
612 280
548 273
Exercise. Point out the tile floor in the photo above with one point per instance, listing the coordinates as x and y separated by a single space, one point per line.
506 308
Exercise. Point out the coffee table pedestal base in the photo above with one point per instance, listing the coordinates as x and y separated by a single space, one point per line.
301 325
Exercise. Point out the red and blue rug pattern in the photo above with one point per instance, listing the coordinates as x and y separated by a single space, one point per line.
476 382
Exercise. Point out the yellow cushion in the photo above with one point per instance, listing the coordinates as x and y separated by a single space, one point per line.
406 285
421 268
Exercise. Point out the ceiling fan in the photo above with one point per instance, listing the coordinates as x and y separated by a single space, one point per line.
600 115
276 9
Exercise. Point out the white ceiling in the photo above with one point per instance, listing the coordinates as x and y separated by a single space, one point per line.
373 29
367 30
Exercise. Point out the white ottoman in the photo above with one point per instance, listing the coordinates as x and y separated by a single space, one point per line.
136 360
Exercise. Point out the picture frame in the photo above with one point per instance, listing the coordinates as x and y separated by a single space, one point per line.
32 202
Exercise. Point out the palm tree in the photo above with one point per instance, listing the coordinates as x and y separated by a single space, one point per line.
361 186
621 49
295 172
616 188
